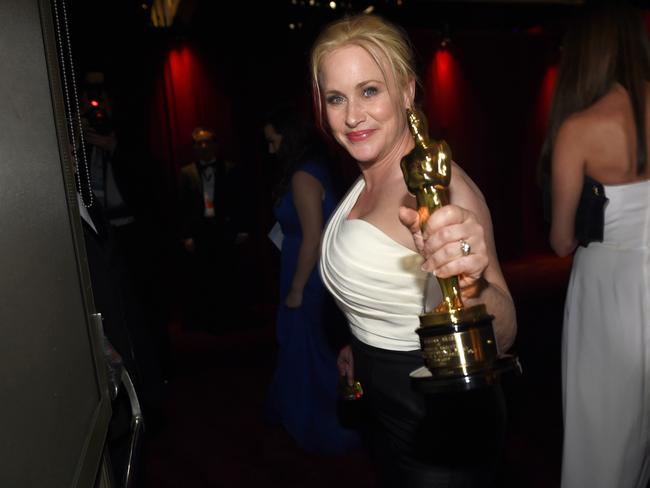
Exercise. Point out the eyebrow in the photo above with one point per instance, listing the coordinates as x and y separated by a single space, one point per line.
358 85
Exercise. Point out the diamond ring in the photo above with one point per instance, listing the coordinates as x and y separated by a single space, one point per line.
465 248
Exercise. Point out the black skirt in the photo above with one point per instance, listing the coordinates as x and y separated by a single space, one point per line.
441 440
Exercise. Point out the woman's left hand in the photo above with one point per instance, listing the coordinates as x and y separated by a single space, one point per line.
452 243
294 299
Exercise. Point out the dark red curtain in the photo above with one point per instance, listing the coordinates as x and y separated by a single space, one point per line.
186 94
488 95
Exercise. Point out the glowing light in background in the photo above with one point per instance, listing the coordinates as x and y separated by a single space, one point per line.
444 77
535 30
546 97
185 96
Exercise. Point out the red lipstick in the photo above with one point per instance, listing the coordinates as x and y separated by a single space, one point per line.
359 135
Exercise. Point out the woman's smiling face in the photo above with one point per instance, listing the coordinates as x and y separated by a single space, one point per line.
362 115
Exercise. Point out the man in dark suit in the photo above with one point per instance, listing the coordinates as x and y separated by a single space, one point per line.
211 227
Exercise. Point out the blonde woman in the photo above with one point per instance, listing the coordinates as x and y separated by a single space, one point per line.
375 261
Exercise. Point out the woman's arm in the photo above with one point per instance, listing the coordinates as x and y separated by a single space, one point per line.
491 289
480 276
307 194
567 175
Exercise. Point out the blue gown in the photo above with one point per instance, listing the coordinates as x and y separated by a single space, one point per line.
303 393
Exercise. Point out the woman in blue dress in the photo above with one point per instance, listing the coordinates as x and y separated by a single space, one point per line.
303 392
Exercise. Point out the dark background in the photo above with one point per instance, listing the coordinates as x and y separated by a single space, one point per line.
223 64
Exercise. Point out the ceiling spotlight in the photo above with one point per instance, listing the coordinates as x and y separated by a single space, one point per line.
292 26
312 3
332 5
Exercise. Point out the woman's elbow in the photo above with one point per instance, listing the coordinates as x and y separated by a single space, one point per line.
506 330
507 338
563 247
562 243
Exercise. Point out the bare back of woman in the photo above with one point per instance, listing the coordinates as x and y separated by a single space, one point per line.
610 138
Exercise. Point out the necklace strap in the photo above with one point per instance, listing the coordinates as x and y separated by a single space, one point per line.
71 95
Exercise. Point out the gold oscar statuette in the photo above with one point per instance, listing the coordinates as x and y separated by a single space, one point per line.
458 343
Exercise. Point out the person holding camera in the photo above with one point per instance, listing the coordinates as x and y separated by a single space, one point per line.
121 249
101 148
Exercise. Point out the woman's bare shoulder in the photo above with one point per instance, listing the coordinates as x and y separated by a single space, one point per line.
592 128
608 114
599 139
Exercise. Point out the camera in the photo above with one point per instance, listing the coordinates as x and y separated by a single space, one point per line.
96 114
98 118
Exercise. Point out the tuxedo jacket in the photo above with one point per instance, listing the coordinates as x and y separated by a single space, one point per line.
227 199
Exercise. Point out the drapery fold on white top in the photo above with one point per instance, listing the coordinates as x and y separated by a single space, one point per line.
377 282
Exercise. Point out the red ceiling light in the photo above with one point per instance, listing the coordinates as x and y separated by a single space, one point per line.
535 30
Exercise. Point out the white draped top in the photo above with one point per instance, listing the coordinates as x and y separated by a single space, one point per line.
377 282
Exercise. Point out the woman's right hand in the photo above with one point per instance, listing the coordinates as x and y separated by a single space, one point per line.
345 363
440 243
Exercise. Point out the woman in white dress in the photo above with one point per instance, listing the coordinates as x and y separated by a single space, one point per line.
599 128
375 261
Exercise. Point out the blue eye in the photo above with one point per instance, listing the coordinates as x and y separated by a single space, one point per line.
334 99
369 91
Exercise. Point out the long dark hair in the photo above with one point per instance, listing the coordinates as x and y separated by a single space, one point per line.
606 44
299 142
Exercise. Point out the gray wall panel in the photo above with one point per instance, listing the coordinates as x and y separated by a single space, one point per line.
50 395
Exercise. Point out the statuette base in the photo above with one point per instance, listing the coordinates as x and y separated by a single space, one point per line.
425 382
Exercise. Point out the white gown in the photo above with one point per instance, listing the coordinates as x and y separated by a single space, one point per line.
606 355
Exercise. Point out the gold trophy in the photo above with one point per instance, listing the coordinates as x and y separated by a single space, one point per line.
458 343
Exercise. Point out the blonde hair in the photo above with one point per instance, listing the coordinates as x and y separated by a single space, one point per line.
385 42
